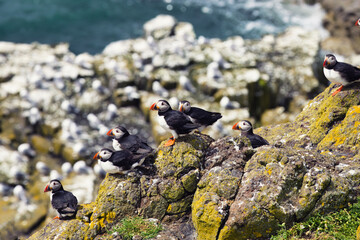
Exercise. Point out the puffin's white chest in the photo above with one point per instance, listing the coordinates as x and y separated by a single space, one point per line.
116 145
334 77
109 167
163 123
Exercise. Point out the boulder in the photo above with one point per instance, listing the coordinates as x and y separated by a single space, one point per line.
165 193
160 27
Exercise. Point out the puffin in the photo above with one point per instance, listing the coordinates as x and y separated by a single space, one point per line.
178 123
357 23
339 72
198 115
64 202
123 140
247 131
117 161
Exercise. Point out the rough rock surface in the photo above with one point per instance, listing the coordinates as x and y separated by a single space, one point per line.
233 191
164 191
61 105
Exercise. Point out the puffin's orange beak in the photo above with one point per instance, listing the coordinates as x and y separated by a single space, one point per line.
96 156
181 108
325 62
154 107
110 133
47 188
236 126
357 23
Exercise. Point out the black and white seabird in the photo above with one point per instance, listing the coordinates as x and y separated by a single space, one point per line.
64 202
123 140
339 72
178 123
198 115
117 161
247 131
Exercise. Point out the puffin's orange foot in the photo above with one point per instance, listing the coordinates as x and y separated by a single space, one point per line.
57 217
337 90
170 142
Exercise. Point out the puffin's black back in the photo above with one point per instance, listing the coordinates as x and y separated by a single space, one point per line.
179 121
256 140
347 71
204 117
124 159
64 202
134 144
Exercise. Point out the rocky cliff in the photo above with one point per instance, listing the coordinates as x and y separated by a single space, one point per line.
56 108
224 189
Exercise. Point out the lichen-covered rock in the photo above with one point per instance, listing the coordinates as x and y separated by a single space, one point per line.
224 162
282 184
58 229
316 121
161 194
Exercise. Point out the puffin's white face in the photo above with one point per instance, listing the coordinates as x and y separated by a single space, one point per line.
329 61
244 126
118 133
184 106
162 105
54 185
105 154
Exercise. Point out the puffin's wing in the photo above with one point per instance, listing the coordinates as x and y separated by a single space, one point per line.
257 141
348 72
119 158
205 116
137 145
179 120
129 143
64 201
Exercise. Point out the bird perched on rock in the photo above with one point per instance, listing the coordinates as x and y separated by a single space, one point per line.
64 202
117 161
178 123
339 72
357 22
198 115
247 131
122 139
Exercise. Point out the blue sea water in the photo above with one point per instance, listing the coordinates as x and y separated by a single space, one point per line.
89 25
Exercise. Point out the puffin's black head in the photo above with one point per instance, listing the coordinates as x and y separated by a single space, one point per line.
118 132
54 186
329 61
184 106
244 126
357 22
161 106
103 155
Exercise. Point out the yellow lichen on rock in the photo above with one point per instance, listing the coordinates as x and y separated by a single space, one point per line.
206 217
346 135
